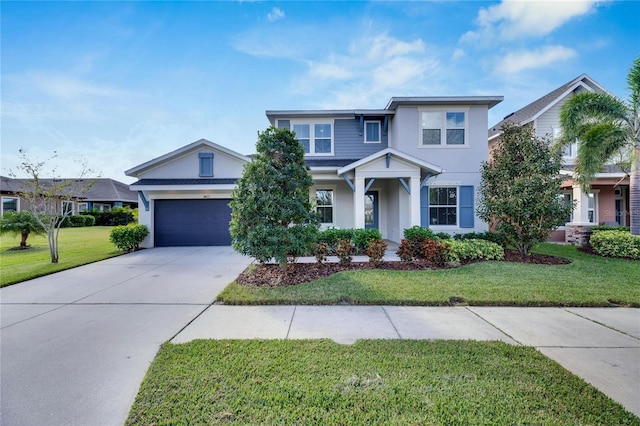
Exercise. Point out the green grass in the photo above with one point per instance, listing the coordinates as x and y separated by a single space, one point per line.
588 281
77 246
372 382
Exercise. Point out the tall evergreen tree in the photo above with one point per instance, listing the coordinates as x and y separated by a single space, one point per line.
519 189
604 126
272 215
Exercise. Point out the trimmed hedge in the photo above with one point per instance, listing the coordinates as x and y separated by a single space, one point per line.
78 221
616 244
360 238
115 216
474 249
494 237
128 238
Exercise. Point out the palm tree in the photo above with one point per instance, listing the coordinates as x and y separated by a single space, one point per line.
20 223
604 126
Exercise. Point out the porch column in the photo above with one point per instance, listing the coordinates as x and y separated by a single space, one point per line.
581 210
578 232
414 184
358 203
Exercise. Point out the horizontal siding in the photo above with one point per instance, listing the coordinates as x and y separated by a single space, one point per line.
548 121
348 143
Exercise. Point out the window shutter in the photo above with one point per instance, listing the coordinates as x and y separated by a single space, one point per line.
424 206
284 124
466 206
206 164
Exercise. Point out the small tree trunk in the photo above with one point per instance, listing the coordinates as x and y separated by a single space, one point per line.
53 245
23 239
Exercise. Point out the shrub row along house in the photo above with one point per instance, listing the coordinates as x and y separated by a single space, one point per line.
83 195
608 199
414 162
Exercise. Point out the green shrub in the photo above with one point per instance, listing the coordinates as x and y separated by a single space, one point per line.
616 244
344 251
89 220
494 237
443 236
419 233
116 216
321 252
128 238
375 251
474 249
330 236
362 237
77 221
610 228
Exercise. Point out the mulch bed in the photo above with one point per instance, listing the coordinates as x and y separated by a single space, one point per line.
269 275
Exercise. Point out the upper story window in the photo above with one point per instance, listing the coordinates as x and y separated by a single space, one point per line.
372 132
443 128
316 137
9 204
205 164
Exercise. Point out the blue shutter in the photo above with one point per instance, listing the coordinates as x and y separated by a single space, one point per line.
424 206
205 160
466 206
284 124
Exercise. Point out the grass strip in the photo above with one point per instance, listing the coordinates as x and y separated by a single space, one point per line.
390 382
588 280
77 246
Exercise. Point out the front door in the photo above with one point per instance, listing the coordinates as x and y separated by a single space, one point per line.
371 209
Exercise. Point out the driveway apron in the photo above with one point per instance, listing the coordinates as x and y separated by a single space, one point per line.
75 345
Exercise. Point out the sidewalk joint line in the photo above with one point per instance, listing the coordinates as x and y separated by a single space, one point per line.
599 323
293 314
391 321
494 326
190 322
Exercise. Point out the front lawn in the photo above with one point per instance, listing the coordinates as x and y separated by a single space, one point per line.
78 246
402 382
588 280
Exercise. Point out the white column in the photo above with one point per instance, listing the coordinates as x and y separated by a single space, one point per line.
414 185
581 207
358 203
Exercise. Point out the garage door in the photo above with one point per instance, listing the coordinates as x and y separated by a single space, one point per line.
192 223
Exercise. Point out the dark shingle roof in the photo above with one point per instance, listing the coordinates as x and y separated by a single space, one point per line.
329 162
526 114
102 189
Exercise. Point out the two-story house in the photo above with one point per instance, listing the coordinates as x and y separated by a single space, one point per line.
608 199
415 162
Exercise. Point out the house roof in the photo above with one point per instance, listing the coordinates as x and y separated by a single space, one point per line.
328 162
134 171
102 189
531 111
491 101
392 152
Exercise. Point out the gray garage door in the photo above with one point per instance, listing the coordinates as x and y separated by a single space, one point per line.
192 223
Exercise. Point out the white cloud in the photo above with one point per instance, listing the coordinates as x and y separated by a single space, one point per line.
457 54
523 60
515 19
275 14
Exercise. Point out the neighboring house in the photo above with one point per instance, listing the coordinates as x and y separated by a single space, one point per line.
103 195
608 199
415 162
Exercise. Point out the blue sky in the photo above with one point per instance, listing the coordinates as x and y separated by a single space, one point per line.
120 83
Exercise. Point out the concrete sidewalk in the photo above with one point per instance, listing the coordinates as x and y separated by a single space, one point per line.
600 345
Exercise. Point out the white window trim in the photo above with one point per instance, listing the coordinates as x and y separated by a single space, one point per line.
73 207
595 206
443 128
335 204
379 131
103 207
11 198
83 207
446 227
312 147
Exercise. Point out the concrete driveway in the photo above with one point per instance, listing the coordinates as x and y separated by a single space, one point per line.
75 345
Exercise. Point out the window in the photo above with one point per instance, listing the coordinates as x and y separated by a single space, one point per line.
443 128
316 138
324 205
101 207
371 132
591 208
443 206
9 204
205 160
83 207
566 198
67 207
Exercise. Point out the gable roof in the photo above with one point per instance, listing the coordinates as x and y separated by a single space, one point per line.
102 189
182 151
394 152
533 110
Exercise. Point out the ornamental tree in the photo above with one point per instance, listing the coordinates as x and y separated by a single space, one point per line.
520 187
20 223
272 215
